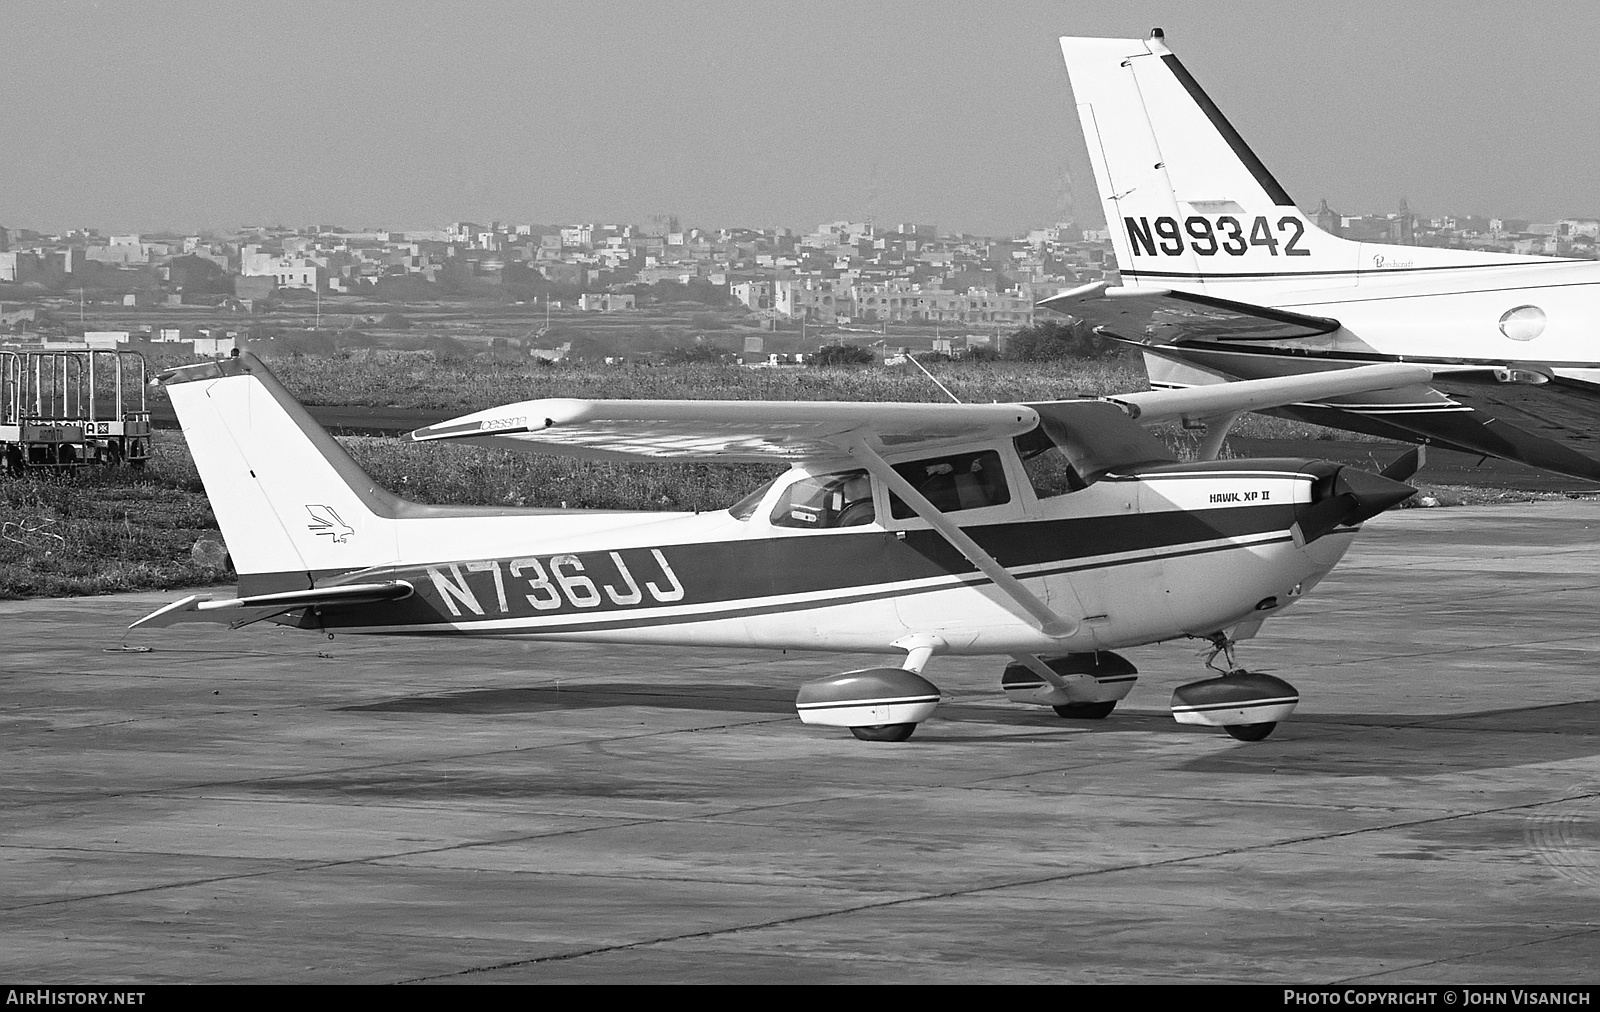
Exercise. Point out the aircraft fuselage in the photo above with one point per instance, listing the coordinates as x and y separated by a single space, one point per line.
1179 550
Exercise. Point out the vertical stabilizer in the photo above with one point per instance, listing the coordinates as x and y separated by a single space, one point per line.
1185 198
286 495
1188 202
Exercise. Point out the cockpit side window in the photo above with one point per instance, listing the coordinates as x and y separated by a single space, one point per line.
960 481
824 501
1048 469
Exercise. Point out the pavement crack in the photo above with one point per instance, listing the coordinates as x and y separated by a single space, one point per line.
990 888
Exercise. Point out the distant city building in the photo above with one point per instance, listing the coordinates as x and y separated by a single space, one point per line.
214 347
102 340
604 302
20 267
898 301
754 294
289 272
122 254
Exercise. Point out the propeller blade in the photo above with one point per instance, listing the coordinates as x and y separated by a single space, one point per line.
1407 464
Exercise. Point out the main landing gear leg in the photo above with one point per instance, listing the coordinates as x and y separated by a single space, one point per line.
1246 704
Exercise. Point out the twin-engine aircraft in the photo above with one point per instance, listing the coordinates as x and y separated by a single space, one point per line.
1223 278
1050 533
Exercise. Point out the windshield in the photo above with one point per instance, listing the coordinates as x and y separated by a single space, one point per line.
745 508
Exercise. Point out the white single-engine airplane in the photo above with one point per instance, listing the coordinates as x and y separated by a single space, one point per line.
1223 278
1052 533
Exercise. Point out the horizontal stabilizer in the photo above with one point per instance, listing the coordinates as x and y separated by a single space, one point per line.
243 610
1154 407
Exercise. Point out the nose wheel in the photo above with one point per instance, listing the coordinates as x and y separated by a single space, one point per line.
876 704
1246 704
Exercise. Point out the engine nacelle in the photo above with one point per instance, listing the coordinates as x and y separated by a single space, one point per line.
867 698
1100 677
1246 697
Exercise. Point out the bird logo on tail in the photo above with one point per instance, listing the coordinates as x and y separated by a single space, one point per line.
325 520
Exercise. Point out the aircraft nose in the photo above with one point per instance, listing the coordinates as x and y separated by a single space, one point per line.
1349 496
1373 493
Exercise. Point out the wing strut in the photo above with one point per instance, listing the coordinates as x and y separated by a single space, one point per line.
1049 622
1217 430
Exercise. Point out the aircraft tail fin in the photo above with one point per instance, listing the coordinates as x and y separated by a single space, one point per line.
287 497
1186 200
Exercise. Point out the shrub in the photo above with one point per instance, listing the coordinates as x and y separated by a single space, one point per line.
842 354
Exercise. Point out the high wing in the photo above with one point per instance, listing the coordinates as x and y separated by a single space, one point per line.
1164 316
762 431
1526 412
1544 420
1519 411
726 431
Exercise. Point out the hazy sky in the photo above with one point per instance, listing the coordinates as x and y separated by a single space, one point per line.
146 115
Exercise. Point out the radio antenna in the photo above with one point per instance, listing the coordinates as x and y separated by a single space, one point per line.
931 376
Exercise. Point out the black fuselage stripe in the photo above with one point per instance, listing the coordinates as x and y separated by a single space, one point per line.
1356 272
1182 349
636 621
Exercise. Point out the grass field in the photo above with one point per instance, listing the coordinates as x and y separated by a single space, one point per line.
408 380
105 530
